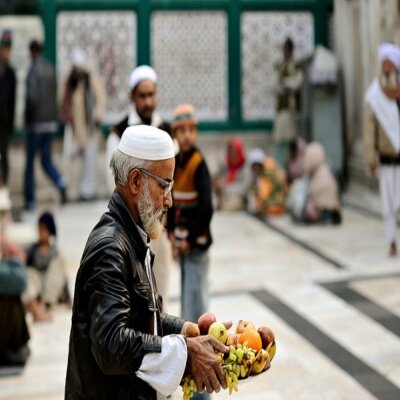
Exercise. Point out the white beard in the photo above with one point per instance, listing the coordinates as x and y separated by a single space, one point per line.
151 218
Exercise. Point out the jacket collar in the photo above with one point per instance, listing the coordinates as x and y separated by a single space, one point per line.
121 213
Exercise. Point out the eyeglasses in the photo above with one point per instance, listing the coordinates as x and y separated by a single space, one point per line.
166 185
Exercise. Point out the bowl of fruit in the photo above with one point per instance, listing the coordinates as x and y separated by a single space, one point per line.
251 351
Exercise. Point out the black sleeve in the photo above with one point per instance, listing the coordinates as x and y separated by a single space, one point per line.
116 346
120 127
13 85
201 221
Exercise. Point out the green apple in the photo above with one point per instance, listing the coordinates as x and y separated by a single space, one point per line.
218 330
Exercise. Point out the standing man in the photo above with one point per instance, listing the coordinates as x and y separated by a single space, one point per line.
287 82
122 346
382 135
41 116
142 110
7 101
83 106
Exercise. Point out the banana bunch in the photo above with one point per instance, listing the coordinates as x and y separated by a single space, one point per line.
239 363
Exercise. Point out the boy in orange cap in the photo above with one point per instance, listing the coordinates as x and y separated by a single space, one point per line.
189 217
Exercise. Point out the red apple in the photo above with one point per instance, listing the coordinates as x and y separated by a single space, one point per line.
244 325
205 320
267 336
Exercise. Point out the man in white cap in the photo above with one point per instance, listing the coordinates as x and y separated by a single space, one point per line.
122 346
143 97
382 135
83 105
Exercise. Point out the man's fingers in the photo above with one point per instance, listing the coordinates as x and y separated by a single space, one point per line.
199 384
218 346
215 385
220 376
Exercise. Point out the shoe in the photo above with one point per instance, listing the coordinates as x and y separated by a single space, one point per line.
63 193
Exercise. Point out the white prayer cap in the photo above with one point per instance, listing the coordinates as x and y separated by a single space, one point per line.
257 156
78 57
142 73
391 52
146 143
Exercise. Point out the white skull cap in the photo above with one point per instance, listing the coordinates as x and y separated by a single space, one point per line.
146 143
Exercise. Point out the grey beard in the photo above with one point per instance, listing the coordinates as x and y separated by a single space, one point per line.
151 218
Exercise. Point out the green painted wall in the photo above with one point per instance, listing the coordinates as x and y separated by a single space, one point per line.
319 8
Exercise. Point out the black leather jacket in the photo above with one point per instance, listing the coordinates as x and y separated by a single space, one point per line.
112 313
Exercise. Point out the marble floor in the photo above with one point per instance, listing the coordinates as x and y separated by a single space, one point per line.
330 293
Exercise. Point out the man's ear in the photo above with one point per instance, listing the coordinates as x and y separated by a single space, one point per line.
134 181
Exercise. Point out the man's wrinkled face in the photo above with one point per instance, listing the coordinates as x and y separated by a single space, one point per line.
144 96
152 204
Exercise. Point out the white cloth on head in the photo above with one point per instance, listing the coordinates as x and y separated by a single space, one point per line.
140 74
257 156
146 143
78 57
386 112
391 52
389 185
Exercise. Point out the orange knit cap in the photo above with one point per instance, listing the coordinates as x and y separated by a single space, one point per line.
184 113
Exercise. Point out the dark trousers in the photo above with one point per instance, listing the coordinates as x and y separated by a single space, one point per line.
41 142
14 334
4 140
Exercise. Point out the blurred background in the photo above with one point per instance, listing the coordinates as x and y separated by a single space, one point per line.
331 293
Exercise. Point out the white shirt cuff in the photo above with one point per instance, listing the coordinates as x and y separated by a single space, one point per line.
163 371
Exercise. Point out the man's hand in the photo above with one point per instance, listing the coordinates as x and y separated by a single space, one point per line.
203 363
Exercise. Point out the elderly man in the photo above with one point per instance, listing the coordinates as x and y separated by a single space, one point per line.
382 135
122 346
143 97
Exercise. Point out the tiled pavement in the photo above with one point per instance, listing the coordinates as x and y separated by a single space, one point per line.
330 294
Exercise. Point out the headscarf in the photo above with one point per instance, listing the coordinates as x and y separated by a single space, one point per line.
235 165
323 188
391 52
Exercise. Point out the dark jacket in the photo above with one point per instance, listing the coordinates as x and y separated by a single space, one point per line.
123 124
112 313
192 177
7 98
41 93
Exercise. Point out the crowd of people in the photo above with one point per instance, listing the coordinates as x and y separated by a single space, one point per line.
122 341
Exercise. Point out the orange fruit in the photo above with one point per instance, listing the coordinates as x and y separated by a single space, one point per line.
253 339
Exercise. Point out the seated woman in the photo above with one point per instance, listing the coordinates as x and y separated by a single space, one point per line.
234 178
268 194
14 333
47 280
322 202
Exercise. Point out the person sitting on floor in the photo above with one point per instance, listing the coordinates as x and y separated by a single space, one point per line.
47 280
233 180
322 202
268 194
14 333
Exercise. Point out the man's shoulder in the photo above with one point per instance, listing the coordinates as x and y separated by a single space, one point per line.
120 126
